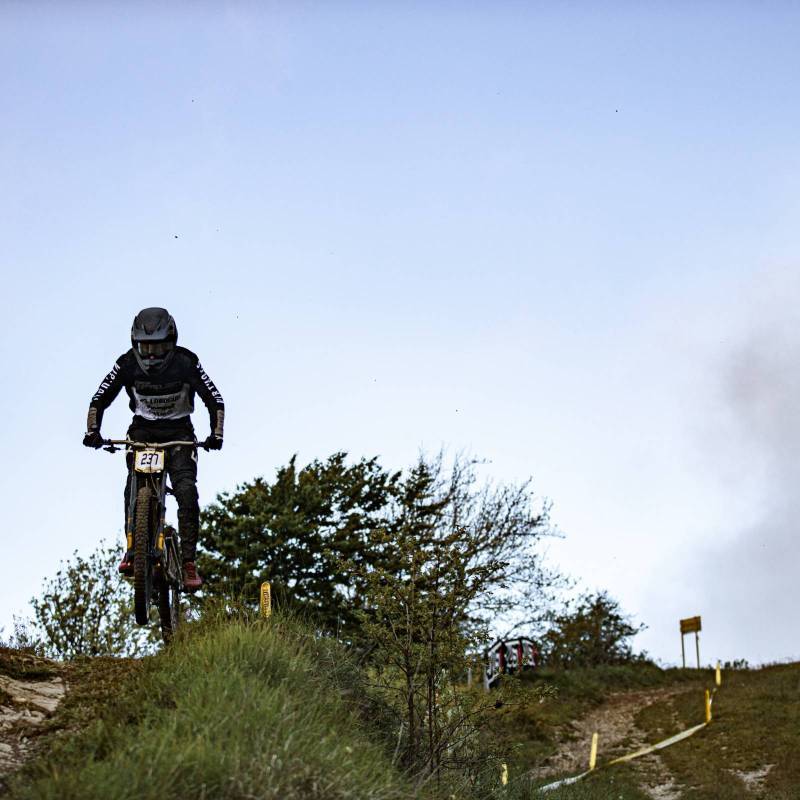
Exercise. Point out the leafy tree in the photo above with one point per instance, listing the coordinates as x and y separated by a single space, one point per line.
459 550
87 609
590 631
297 532
414 566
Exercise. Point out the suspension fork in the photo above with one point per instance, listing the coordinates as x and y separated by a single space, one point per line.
161 495
133 488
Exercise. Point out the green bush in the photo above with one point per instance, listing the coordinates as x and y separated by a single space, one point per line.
86 609
591 631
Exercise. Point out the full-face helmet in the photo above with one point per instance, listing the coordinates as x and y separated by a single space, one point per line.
153 338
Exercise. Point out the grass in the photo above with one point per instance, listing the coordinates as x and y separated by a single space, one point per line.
238 709
235 710
25 665
756 723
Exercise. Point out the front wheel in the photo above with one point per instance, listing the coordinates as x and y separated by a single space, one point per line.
142 563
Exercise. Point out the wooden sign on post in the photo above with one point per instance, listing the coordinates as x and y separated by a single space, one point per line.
691 625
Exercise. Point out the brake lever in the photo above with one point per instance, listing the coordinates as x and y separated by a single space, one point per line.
111 448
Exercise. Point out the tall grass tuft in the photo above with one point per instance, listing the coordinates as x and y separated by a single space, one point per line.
235 708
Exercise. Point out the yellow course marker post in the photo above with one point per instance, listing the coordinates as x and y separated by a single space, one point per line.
708 706
265 598
593 752
504 774
718 676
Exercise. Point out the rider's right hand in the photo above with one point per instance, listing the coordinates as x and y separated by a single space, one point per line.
93 439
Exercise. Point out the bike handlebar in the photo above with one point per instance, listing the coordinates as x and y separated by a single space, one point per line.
110 445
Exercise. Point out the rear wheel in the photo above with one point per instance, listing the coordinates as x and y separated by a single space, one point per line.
142 565
169 596
169 604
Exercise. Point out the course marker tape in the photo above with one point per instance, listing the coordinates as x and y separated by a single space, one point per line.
678 737
563 782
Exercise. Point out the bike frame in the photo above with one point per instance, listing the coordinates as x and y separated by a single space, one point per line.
164 570
157 481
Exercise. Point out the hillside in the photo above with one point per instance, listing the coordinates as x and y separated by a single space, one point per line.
267 710
748 750
232 711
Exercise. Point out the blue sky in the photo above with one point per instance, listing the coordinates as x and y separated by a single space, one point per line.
559 236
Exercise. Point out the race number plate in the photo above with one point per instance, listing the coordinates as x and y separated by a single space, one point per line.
149 460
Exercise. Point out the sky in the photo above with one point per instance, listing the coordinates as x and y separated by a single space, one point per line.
561 237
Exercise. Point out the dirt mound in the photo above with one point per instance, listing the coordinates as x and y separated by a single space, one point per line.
30 690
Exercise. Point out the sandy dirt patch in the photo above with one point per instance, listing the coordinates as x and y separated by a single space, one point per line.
24 707
754 779
614 721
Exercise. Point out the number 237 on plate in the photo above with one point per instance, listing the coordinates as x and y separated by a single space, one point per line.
149 460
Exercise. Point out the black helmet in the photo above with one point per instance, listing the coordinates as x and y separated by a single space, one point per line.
153 338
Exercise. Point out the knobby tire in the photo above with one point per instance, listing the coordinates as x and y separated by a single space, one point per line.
169 596
142 568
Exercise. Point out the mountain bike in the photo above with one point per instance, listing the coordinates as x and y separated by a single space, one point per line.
157 573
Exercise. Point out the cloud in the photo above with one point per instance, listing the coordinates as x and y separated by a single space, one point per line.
750 576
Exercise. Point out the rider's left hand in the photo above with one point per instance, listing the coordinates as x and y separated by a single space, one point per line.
213 443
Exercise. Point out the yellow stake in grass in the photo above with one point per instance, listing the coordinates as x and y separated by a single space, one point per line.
266 599
718 676
504 774
593 752
708 706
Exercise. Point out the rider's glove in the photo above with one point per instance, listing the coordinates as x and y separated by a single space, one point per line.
213 443
93 439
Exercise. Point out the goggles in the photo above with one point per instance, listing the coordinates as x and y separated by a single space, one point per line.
155 349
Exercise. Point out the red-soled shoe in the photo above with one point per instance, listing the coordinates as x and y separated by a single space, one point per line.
191 580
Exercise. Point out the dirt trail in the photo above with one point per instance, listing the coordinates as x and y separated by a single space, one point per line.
28 696
614 721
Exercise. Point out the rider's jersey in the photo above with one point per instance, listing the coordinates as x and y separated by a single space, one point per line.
163 400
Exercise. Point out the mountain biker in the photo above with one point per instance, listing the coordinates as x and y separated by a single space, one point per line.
161 380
